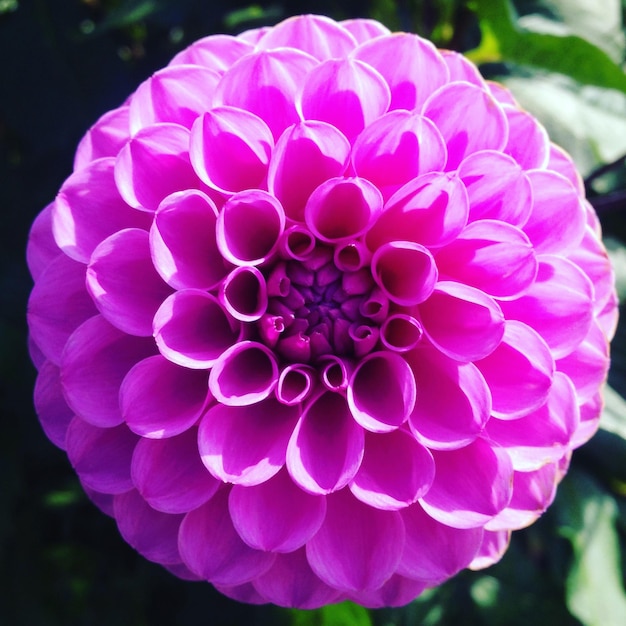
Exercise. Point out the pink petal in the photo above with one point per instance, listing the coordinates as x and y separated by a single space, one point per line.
396 470
295 384
452 105
562 163
217 52
363 29
518 372
397 591
276 516
557 221
495 544
101 456
400 332
123 282
254 35
272 79
230 149
460 68
306 154
244 294
154 164
160 399
528 142
396 148
471 486
290 582
89 208
453 401
430 210
381 392
501 93
497 187
152 533
492 256
360 555
41 248
326 448
433 551
192 329
246 445
169 475
178 93
317 35
412 67
52 410
463 322
183 244
346 93
96 358
228 561
58 304
245 592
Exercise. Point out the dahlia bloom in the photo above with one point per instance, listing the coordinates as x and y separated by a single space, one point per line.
320 315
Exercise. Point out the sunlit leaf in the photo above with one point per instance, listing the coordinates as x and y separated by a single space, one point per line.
345 614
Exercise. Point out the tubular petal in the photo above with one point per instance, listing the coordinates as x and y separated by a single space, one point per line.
244 294
52 410
295 384
400 332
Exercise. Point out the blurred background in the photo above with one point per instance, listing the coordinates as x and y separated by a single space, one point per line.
65 62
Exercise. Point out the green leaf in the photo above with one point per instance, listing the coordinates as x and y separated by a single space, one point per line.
345 614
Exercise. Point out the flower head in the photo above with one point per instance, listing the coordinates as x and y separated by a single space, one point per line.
320 314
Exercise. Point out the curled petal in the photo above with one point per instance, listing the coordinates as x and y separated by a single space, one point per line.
217 52
306 154
411 66
295 384
387 457
230 149
52 410
244 294
336 553
396 148
335 373
519 371
363 29
493 547
351 256
105 138
375 306
96 358
123 282
528 141
169 475
183 244
346 93
160 399
397 591
101 456
400 332
430 210
381 392
471 486
452 105
249 227
246 445
463 322
326 448
228 561
276 516
192 329
342 209
297 243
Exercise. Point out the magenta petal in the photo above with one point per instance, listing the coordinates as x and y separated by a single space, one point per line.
381 392
359 555
52 410
152 533
272 79
245 592
192 329
452 105
123 282
528 141
276 516
453 403
58 304
230 149
154 164
326 448
387 457
183 244
211 548
460 68
101 456
412 67
178 93
562 163
169 475
41 248
396 148
244 294
433 551
492 549
346 93
160 399
363 29
542 436
217 52
89 208
306 155
463 322
397 591
291 582
96 358
471 486
295 384
400 332
246 445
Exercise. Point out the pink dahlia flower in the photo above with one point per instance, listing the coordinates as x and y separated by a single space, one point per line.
320 315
